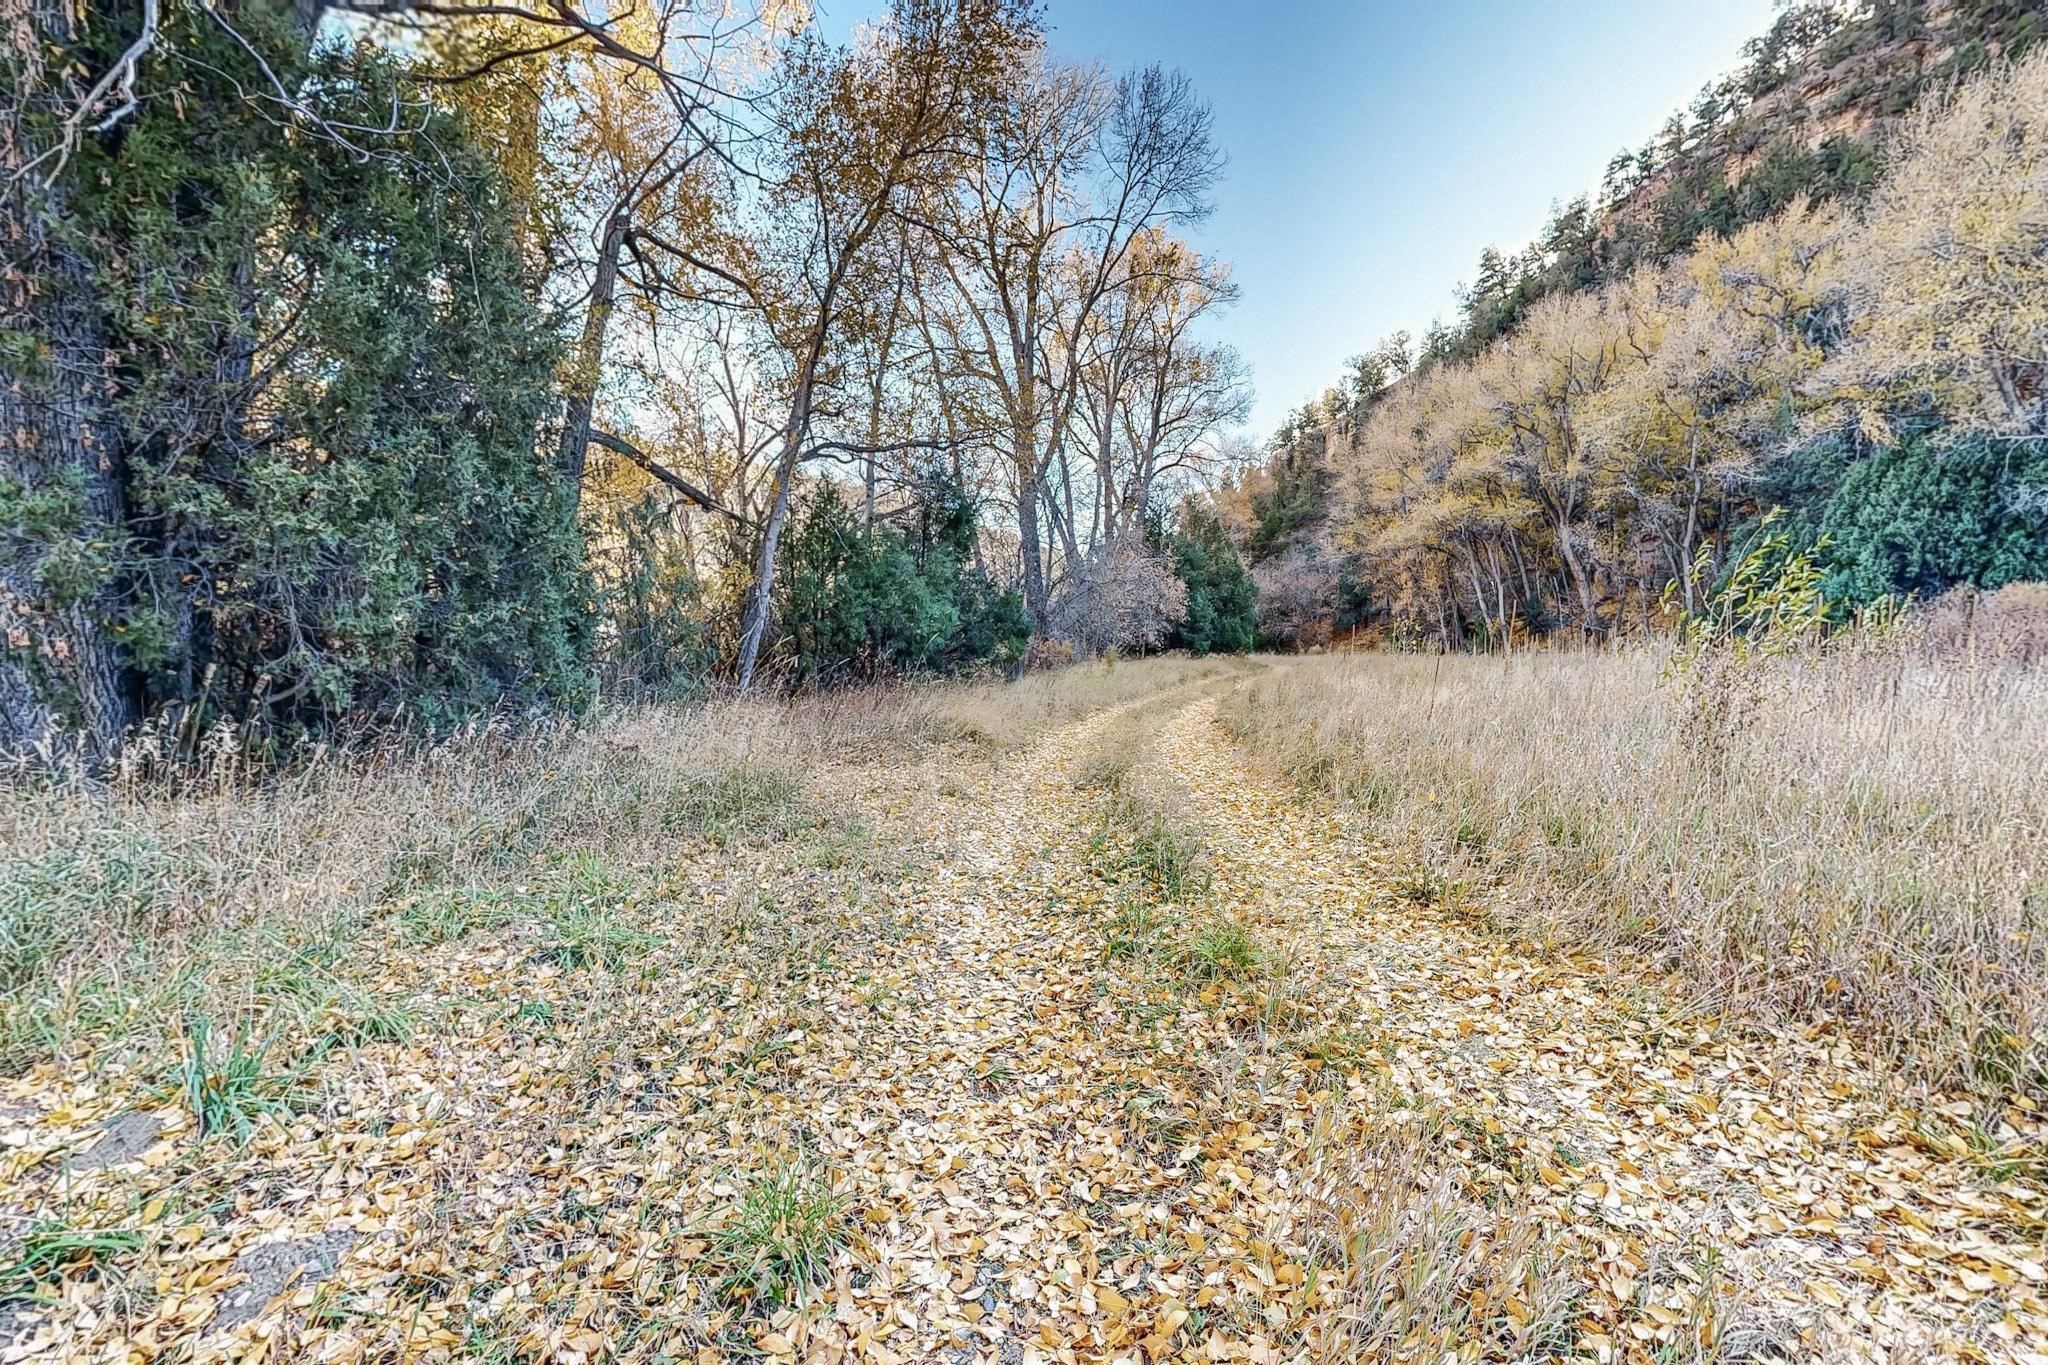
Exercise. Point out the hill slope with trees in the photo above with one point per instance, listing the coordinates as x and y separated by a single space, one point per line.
1816 298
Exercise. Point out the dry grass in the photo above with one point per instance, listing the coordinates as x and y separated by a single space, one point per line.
132 912
1409 1267
1006 716
1867 842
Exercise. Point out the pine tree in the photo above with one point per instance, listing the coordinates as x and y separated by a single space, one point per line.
1222 608
323 373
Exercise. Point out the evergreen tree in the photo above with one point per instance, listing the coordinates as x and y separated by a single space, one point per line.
1222 614
323 377
1926 515
864 601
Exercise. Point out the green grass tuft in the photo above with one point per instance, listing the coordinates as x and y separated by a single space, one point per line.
746 802
1220 949
230 1089
49 1249
781 1241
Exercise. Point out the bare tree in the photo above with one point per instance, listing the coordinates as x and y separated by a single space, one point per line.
864 132
1057 192
1153 399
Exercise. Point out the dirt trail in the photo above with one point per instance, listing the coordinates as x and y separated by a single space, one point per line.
1655 1146
1045 1150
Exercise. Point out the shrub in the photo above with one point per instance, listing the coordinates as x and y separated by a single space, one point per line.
864 601
1222 611
1926 515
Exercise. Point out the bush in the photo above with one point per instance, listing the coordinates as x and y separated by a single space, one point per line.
872 601
1930 514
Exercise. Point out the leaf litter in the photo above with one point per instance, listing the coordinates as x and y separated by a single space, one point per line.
951 1090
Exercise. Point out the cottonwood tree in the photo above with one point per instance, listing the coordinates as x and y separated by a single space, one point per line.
1153 399
863 132
1714 355
1057 190
1950 272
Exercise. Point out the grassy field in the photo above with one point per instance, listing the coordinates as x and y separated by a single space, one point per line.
1307 1009
1860 834
129 911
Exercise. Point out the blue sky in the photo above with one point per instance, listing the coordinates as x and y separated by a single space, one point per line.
1376 147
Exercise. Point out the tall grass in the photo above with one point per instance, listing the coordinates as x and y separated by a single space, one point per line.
1868 837
131 908
1007 715
127 908
1408 1266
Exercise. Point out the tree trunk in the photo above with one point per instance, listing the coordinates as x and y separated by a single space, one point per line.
762 606
763 603
1029 549
574 449
1589 621
61 669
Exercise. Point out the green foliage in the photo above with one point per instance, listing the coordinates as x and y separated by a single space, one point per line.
1222 612
356 1020
326 377
651 603
781 1240
1137 839
1926 515
1770 601
48 1249
52 903
589 936
1769 604
1135 926
1220 949
1295 499
865 601
1699 200
736 803
229 1088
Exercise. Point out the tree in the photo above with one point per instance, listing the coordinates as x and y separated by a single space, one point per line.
1153 399
645 140
1221 615
864 132
1951 271
312 491
1924 516
138 139
1061 185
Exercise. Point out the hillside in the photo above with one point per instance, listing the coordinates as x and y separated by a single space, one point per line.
1806 136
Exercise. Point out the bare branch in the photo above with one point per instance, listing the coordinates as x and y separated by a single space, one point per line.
622 446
